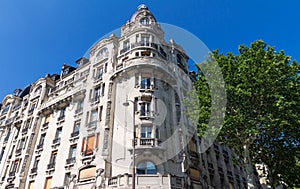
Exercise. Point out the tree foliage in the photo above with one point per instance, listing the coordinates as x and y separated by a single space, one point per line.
262 112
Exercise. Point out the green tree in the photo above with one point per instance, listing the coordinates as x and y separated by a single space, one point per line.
262 111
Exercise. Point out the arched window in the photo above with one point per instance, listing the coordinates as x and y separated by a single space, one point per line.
102 53
146 167
38 90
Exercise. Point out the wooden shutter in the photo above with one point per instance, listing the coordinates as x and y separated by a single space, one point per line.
192 145
48 183
31 185
47 118
195 174
90 143
83 144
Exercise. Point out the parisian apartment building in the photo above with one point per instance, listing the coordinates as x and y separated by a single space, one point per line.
115 120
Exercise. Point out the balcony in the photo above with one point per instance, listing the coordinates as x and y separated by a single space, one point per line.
30 111
25 130
6 138
146 115
92 124
17 106
12 174
220 170
56 141
40 146
5 110
145 44
61 118
98 78
147 142
194 154
45 125
51 166
144 181
74 134
78 111
19 151
70 160
95 100
88 152
9 121
33 170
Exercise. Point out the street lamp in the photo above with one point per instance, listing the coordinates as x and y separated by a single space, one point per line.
133 141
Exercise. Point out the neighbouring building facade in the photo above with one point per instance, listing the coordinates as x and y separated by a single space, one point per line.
76 129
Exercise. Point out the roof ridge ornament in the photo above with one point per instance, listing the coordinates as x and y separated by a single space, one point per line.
142 6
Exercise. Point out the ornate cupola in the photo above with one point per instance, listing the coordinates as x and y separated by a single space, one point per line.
142 18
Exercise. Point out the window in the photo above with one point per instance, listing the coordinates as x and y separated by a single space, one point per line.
89 144
62 114
145 21
6 108
48 183
145 40
146 132
35 165
38 90
2 152
96 95
145 109
31 109
79 106
100 114
67 179
103 90
72 155
126 45
14 168
73 151
42 139
58 132
146 168
76 129
145 83
36 162
52 162
102 53
179 59
21 144
57 135
94 115
99 73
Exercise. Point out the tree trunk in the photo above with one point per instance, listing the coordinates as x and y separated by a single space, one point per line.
249 168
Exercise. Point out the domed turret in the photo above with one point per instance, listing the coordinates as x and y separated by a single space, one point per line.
142 16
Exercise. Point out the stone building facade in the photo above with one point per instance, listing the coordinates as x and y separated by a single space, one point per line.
76 129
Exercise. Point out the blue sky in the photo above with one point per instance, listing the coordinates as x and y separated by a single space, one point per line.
37 37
